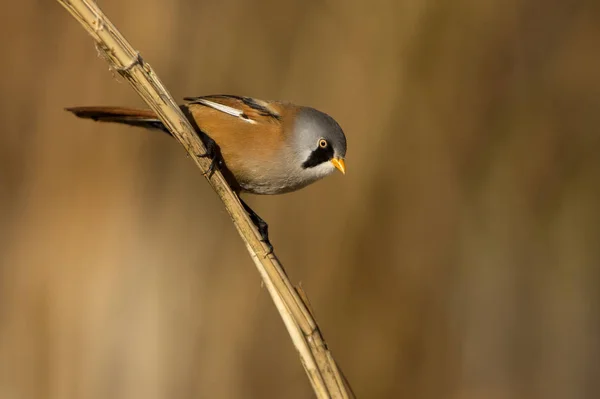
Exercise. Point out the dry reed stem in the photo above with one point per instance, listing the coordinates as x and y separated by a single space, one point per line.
323 373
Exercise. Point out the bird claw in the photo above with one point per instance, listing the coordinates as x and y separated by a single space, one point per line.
215 162
212 152
270 248
262 226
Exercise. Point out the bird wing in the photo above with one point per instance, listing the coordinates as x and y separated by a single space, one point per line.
247 109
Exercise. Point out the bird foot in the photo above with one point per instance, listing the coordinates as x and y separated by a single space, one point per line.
212 152
262 226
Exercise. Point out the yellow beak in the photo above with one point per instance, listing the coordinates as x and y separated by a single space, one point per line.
339 164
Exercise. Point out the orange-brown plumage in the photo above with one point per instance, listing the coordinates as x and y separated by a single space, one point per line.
237 138
267 147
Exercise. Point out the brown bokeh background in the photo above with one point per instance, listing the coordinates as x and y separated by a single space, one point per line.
458 258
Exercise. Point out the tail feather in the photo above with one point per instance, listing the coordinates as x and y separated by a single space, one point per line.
127 116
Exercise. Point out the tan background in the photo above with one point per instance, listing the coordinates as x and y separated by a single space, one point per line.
458 258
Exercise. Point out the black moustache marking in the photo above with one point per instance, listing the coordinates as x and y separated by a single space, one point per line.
318 156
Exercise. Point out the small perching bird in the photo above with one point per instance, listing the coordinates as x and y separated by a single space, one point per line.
262 147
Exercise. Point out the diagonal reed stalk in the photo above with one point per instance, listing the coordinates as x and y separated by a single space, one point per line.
321 369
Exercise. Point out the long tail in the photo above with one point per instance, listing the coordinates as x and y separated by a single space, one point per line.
128 116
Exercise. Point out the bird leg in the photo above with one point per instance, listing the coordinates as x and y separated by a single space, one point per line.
212 152
261 225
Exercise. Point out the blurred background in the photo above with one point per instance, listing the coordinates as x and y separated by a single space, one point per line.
458 258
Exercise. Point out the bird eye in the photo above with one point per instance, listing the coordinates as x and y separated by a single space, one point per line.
322 143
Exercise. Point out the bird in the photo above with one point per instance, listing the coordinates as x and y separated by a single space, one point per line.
261 147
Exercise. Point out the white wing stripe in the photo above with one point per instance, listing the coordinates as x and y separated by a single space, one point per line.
226 109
